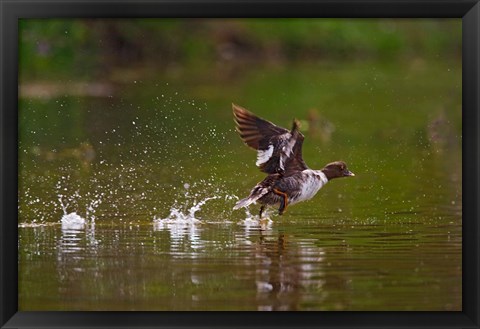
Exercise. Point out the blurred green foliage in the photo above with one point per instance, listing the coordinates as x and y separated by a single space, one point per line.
89 48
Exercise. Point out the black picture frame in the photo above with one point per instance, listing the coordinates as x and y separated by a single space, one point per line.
13 10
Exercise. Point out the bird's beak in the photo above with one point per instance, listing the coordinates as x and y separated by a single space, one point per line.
348 173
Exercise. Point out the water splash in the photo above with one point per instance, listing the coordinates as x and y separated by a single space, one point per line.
254 222
199 205
73 221
181 216
182 222
70 221
77 232
113 187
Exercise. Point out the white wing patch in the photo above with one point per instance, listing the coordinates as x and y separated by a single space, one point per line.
264 155
287 151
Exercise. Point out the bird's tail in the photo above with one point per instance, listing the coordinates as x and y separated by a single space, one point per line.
244 203
257 192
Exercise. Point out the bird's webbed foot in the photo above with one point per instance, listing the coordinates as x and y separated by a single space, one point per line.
283 201
262 208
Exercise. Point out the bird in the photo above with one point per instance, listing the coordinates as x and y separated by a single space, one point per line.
279 154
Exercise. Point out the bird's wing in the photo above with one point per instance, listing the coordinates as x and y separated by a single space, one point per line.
278 150
295 163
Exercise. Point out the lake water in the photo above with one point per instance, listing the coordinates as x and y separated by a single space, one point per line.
126 191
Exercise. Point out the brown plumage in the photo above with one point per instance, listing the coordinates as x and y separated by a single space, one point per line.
261 134
279 154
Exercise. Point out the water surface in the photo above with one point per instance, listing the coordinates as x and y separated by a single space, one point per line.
153 167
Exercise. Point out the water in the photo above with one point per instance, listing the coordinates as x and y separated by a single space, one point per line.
125 201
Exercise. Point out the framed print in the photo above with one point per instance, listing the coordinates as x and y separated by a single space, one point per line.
202 164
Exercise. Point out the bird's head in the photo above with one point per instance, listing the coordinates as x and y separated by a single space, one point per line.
336 169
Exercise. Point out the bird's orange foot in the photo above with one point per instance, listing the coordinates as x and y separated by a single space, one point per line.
284 203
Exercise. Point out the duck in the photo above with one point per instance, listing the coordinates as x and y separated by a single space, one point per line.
279 154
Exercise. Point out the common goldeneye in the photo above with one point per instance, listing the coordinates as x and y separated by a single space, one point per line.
279 154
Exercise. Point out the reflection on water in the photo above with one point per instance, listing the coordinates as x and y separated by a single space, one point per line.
281 267
285 271
275 271
201 265
180 230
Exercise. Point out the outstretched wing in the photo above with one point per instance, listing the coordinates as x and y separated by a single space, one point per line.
278 150
295 162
